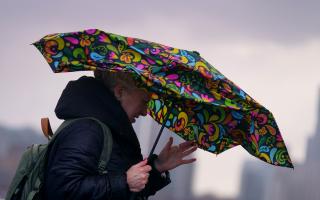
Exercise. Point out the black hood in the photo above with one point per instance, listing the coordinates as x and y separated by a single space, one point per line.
88 97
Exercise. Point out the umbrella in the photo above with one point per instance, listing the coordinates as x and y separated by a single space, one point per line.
189 96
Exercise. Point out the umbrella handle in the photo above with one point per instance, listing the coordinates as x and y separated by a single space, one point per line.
133 195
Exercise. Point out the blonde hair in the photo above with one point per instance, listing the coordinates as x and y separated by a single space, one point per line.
111 79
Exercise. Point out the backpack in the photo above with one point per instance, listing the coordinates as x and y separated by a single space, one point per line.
28 180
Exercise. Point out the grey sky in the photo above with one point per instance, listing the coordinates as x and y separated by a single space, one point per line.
286 21
269 48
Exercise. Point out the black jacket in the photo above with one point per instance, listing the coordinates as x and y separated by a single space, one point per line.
71 171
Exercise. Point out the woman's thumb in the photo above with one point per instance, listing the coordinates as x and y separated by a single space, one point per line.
142 163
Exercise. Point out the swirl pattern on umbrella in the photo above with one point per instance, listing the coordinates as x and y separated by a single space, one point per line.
208 107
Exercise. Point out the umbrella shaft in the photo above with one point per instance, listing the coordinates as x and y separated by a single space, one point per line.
133 195
160 132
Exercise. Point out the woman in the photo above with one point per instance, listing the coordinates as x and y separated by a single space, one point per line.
72 172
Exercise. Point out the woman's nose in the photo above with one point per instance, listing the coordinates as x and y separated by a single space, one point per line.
144 113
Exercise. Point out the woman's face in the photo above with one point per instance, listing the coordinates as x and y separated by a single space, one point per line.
134 102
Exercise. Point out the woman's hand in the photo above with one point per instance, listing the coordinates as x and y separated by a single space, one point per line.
173 156
137 176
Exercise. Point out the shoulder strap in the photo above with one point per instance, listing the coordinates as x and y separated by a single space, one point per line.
107 141
107 147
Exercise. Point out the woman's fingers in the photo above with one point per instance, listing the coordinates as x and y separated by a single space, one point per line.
139 183
189 151
137 176
186 145
169 144
141 163
187 161
145 169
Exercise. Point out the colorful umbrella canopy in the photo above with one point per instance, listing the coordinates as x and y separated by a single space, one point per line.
207 107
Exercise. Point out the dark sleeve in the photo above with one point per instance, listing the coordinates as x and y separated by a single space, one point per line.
157 180
72 170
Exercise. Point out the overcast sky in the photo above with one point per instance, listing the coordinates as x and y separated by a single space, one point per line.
269 48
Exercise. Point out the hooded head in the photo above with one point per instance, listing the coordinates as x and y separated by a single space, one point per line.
90 97
132 99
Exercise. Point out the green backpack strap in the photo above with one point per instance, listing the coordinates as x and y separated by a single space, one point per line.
107 146
107 141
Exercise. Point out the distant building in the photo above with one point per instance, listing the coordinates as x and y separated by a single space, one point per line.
264 182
